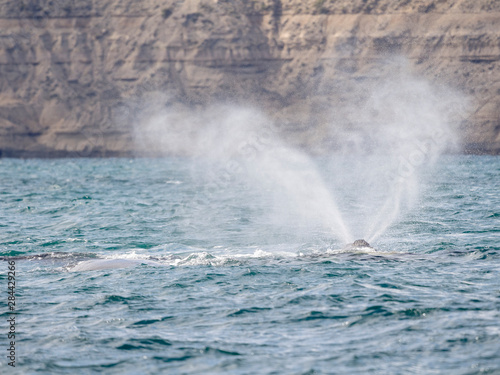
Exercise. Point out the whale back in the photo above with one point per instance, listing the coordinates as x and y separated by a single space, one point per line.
361 243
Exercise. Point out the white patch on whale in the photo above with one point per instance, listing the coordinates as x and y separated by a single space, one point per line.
104 264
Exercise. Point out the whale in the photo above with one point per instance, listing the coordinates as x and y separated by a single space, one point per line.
104 264
80 262
52 256
359 245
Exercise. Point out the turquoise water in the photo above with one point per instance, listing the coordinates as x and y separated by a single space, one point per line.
210 284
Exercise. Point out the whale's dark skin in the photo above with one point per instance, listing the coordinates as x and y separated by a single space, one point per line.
360 243
52 255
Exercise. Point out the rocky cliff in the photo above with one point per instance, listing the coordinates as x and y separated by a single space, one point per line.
74 72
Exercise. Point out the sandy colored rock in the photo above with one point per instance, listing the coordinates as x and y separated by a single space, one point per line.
74 74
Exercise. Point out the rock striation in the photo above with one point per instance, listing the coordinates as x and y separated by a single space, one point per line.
73 73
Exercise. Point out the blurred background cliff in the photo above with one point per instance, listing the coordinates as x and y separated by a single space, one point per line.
74 74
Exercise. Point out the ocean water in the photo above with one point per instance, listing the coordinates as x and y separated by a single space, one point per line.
206 282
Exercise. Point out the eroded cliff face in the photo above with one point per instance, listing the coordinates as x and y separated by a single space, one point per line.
75 73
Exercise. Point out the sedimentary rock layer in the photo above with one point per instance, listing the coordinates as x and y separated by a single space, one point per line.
73 74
